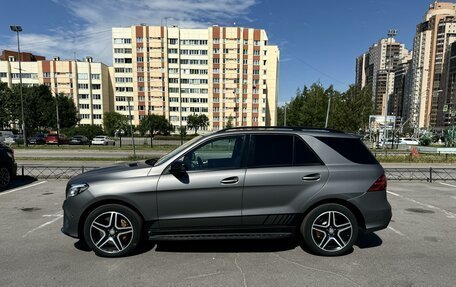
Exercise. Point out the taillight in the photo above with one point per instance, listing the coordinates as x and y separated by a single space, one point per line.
379 184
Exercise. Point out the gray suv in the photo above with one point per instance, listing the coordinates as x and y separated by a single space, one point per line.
319 185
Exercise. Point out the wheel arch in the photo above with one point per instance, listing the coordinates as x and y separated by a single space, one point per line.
355 210
99 203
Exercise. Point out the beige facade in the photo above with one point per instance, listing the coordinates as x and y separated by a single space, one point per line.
226 73
433 37
86 82
376 69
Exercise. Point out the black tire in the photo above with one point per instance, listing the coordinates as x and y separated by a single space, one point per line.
5 177
109 240
329 230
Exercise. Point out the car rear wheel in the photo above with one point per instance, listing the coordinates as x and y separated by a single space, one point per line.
5 177
330 230
113 230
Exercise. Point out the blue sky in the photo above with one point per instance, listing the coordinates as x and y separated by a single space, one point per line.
319 41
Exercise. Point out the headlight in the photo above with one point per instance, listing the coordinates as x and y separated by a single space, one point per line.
76 189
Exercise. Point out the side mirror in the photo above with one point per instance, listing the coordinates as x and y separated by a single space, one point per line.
178 167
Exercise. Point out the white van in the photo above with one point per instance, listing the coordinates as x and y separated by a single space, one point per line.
5 134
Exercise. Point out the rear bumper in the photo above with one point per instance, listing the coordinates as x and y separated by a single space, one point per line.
375 209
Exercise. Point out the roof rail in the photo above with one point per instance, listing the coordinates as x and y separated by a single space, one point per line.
280 128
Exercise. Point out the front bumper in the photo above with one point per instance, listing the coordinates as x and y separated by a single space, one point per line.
375 209
73 211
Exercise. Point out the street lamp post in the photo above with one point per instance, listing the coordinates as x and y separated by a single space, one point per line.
391 34
327 112
17 29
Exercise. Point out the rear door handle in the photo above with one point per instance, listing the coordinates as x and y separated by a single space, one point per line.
311 177
230 180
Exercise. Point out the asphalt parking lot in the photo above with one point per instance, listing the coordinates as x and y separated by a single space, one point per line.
418 249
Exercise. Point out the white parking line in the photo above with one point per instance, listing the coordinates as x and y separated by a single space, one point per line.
447 184
43 225
446 212
396 231
23 187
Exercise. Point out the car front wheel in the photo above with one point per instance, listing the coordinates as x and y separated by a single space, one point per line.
5 177
330 230
113 230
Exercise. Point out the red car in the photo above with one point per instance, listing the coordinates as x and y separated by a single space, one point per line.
56 139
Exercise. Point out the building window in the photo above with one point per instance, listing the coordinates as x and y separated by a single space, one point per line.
95 76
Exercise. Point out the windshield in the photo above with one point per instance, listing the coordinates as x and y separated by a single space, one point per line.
177 150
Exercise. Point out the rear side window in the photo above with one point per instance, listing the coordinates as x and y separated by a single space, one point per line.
350 148
271 150
280 150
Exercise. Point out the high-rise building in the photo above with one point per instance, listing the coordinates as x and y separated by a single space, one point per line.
399 100
433 37
230 74
446 112
376 69
87 82
362 70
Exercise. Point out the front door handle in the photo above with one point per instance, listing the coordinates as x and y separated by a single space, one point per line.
312 177
230 180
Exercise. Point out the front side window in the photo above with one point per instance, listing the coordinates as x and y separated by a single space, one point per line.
221 153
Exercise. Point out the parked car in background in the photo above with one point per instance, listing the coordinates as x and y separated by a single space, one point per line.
79 140
5 134
37 139
9 140
409 141
56 139
103 140
8 166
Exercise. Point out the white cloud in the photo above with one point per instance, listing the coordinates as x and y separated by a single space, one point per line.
92 34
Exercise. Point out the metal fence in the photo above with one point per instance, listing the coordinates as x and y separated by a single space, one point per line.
52 172
421 174
396 174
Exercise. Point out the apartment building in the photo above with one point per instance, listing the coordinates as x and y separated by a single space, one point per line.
226 73
376 69
87 82
433 38
446 112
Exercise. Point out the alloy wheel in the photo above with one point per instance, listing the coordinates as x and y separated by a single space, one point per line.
331 231
111 232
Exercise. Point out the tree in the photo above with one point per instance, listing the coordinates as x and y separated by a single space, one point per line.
350 110
155 124
5 100
309 106
229 123
113 121
67 111
196 122
39 108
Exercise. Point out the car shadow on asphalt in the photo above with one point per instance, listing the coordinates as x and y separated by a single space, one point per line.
227 246
17 182
368 240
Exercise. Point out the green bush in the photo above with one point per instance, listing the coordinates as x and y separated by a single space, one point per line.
425 140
